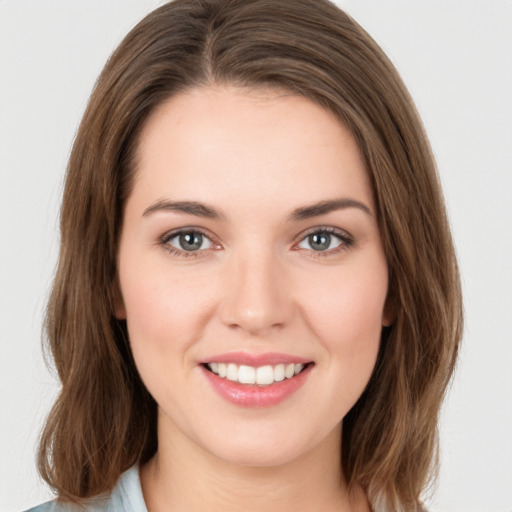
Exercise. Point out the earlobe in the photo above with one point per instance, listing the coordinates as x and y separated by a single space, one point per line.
120 312
389 313
118 302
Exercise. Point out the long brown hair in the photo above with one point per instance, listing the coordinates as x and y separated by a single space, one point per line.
104 420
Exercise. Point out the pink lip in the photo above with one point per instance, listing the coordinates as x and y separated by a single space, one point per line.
256 360
247 395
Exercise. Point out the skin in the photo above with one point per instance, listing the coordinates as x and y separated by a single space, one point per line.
256 285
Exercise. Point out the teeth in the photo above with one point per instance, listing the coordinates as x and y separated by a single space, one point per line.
279 372
247 375
232 372
262 376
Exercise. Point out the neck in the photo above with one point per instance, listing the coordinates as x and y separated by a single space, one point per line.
184 477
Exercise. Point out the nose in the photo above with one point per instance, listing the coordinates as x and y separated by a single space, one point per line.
256 295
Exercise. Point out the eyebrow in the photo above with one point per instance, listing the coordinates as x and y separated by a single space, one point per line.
324 207
189 207
301 213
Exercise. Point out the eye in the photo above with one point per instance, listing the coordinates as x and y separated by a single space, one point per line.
325 240
188 241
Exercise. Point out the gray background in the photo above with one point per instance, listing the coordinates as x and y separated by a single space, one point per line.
455 56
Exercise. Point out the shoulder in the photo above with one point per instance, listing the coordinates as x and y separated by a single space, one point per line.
125 497
56 506
97 505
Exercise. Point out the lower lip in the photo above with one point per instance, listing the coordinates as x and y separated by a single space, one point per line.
247 395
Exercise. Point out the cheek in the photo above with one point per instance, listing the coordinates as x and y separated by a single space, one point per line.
348 324
351 299
164 311
347 317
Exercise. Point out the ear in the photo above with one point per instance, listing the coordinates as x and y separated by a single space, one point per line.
389 313
386 321
118 302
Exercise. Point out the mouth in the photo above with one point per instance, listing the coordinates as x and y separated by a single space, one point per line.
261 376
256 380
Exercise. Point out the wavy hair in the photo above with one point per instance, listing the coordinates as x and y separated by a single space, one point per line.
104 420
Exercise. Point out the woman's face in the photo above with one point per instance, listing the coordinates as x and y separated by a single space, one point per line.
252 274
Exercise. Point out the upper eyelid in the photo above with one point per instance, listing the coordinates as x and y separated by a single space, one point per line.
189 229
324 229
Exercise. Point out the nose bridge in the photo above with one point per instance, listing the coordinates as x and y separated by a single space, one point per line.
256 296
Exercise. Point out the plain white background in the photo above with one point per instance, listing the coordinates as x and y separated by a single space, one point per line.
455 56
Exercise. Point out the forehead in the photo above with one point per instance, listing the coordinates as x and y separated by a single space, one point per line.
222 142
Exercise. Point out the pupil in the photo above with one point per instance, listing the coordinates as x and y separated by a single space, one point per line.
320 241
191 241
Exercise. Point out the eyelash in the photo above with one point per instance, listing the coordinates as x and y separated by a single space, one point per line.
346 241
167 237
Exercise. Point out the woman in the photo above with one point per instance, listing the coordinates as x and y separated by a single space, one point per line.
257 304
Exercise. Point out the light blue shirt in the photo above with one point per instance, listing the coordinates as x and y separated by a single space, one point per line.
125 497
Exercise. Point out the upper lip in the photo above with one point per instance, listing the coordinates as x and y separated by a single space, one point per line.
255 360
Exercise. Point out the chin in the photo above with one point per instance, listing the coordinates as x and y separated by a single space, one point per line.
257 456
271 448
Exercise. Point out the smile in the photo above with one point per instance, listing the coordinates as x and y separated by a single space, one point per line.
260 376
251 380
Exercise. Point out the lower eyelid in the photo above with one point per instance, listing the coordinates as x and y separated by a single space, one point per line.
180 253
